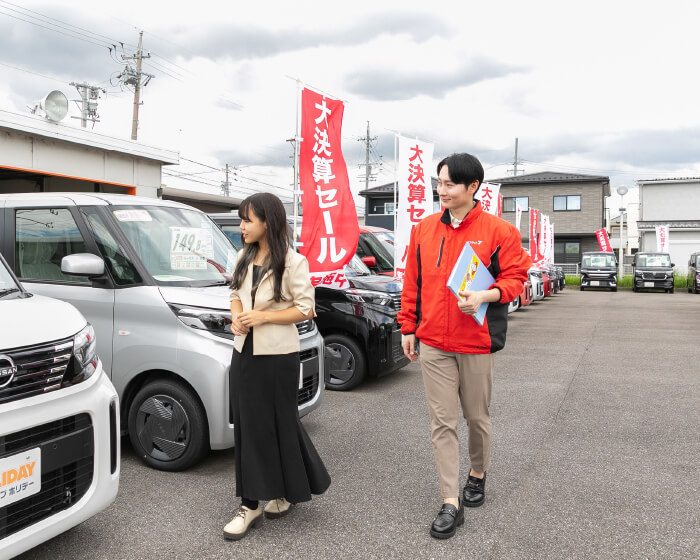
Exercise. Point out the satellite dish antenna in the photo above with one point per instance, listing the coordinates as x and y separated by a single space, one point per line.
54 106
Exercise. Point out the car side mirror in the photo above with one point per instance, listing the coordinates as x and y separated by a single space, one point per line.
83 264
672 265
370 261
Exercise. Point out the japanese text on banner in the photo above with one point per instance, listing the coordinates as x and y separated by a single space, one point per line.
488 194
415 195
329 230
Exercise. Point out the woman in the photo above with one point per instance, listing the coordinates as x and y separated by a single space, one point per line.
271 291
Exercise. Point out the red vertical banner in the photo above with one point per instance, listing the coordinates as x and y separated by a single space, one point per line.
330 230
534 215
603 241
500 206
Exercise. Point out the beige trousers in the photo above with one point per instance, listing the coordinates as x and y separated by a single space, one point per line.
451 378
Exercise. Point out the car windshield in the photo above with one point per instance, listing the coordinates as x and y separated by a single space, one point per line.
356 267
6 280
598 261
654 260
178 247
697 261
387 239
385 259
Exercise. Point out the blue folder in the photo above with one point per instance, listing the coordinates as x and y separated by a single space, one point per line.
469 273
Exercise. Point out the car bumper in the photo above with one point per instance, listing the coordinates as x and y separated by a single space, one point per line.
599 282
642 284
384 349
77 432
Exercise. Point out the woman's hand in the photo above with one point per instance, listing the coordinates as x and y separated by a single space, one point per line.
252 318
237 326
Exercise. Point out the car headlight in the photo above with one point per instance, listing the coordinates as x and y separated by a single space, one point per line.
84 360
216 321
638 273
368 296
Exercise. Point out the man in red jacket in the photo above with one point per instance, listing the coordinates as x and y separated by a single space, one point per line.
455 351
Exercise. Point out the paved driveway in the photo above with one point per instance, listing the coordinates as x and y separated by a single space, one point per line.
596 450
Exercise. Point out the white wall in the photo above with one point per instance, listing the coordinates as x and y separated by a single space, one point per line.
670 201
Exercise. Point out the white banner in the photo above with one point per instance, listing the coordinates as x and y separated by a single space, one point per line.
551 243
544 242
662 239
415 195
488 196
518 216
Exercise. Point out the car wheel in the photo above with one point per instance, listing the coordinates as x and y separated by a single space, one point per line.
580 288
167 426
634 288
614 289
672 290
345 362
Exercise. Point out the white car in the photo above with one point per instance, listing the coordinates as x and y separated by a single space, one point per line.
537 282
59 420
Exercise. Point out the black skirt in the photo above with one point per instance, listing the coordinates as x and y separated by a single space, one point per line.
274 455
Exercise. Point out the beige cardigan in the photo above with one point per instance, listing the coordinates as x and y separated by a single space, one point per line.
298 292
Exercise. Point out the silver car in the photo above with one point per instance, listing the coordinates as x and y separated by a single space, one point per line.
152 277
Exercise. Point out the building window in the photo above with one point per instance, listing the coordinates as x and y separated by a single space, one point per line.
567 203
381 207
567 252
510 203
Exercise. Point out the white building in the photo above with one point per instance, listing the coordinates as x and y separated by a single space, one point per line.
630 232
672 202
37 155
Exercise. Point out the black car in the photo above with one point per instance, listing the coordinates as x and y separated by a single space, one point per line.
598 270
653 271
358 322
694 273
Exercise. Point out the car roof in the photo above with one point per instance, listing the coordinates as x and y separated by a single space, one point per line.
85 199
374 229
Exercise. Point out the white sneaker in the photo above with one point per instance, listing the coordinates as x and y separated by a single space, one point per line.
242 520
277 508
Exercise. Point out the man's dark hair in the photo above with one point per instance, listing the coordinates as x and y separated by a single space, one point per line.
464 169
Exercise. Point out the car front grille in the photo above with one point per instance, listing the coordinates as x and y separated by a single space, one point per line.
654 275
40 369
396 301
310 384
67 460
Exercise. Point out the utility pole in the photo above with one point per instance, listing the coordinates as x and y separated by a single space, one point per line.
133 77
226 186
87 102
515 160
367 165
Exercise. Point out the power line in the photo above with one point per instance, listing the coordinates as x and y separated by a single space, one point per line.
32 72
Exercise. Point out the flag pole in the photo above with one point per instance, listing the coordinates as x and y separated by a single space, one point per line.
297 187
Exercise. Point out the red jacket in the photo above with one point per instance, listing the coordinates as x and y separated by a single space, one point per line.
428 307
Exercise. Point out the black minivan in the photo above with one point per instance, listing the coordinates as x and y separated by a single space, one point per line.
598 270
358 323
653 271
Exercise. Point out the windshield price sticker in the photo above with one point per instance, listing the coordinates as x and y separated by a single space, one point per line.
133 216
20 476
188 241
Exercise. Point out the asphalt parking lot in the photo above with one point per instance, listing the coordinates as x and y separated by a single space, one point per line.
595 454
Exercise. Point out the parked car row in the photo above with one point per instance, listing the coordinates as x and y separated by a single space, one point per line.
543 280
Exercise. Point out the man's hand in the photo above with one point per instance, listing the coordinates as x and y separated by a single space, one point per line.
471 302
408 341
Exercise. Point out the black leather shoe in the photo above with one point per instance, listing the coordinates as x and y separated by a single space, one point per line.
474 492
446 521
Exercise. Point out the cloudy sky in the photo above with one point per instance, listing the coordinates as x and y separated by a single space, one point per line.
595 87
